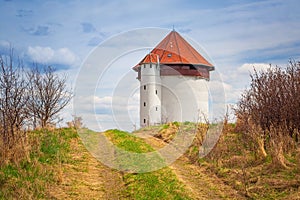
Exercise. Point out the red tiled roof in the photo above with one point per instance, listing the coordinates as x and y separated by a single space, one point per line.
174 49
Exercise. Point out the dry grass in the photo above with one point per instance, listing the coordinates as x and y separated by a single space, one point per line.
33 164
198 182
235 161
167 132
85 177
17 152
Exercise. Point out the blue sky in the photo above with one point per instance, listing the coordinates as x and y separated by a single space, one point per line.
236 34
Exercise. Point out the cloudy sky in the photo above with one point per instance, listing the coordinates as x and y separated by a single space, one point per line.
236 34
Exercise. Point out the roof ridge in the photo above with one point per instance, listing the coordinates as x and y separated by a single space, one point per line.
177 45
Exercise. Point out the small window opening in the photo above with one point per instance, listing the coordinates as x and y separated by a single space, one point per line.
144 103
144 87
156 108
144 121
169 55
155 91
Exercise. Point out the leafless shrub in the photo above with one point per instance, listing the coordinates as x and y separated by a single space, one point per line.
75 123
37 97
270 110
48 95
13 98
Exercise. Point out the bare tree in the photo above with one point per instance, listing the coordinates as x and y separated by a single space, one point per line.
13 97
48 95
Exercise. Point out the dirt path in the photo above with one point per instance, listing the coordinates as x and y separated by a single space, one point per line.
200 184
86 178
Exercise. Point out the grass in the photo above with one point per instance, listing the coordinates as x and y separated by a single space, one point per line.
160 184
234 162
30 178
132 154
128 142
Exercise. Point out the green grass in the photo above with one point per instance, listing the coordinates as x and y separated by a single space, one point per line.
128 142
132 153
30 178
160 184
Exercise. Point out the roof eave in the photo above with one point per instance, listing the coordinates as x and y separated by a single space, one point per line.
210 67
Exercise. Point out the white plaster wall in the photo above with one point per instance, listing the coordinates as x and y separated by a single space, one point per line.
150 114
184 98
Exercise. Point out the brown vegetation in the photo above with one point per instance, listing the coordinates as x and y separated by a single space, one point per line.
13 99
47 95
236 161
26 97
269 112
168 132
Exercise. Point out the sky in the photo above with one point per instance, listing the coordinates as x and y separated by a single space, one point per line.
234 34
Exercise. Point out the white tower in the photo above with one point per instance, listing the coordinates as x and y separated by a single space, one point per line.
173 80
150 92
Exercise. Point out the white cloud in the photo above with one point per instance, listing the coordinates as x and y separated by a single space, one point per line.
257 31
48 55
247 68
100 113
104 102
4 44
222 92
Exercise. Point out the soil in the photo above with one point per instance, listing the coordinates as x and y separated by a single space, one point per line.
197 180
86 178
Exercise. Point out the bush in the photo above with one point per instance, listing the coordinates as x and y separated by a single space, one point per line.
270 110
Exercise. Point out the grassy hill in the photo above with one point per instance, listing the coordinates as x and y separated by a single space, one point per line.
234 160
29 175
60 167
56 165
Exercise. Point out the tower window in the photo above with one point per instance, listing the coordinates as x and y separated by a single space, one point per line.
155 91
144 87
144 103
156 108
150 65
144 121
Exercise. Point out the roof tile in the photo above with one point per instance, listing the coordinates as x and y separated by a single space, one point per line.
174 49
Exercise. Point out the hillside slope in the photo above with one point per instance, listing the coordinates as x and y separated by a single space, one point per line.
84 177
198 182
58 166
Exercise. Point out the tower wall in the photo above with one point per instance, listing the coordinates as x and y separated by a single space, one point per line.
150 95
184 98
